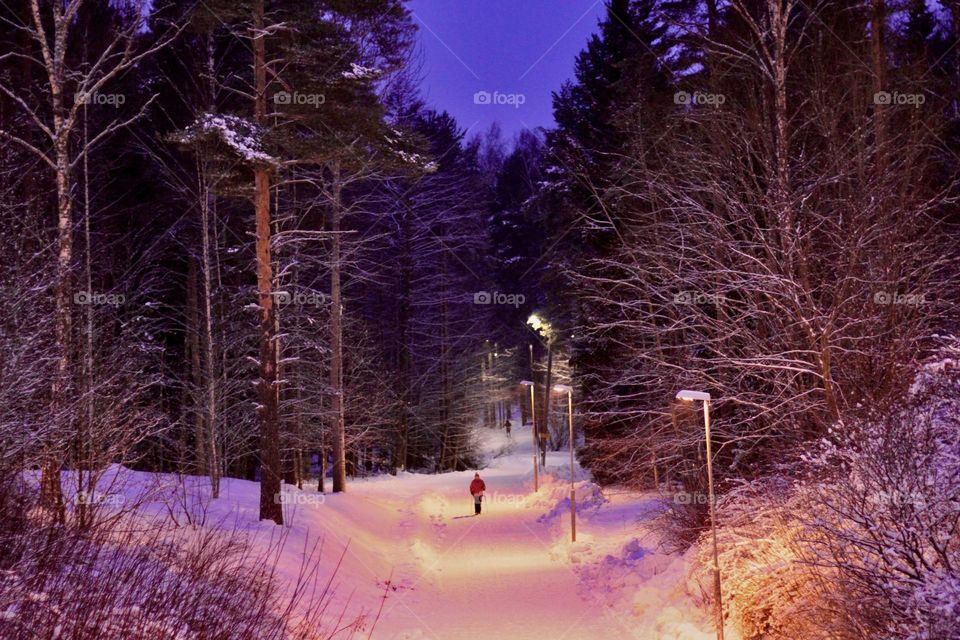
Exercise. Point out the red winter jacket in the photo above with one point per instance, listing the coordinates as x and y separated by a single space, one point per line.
477 487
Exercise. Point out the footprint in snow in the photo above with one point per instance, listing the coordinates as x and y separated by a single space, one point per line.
391 586
439 526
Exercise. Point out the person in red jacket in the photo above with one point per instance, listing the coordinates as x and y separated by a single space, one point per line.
477 487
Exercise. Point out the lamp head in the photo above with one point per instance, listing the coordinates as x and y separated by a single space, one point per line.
539 325
688 396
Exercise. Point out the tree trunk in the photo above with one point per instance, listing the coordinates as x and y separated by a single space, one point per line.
336 343
192 348
878 23
488 390
213 453
403 321
51 492
270 506
445 411
298 471
545 420
85 463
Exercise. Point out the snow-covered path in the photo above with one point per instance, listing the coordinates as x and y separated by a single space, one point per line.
418 565
510 573
495 575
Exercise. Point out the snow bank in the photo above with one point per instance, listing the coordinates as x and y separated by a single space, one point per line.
406 551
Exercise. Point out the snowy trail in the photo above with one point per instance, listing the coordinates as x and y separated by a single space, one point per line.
494 572
495 590
510 573
411 545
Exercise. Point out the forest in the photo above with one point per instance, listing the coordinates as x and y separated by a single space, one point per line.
243 255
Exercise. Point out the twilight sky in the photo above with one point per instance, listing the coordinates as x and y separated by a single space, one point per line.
514 52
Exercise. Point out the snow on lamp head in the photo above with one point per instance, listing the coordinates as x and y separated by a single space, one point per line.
540 325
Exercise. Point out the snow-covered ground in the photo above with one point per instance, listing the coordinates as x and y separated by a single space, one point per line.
412 550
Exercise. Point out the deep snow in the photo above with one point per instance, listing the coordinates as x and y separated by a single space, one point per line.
511 573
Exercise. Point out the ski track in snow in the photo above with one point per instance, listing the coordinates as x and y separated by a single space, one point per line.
509 574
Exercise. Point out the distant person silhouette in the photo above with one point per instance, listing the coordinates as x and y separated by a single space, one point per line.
477 487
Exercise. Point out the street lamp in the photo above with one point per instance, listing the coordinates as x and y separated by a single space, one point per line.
544 328
573 508
533 418
539 325
686 395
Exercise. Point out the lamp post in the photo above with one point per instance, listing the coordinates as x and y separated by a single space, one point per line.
533 418
544 329
573 507
532 369
686 395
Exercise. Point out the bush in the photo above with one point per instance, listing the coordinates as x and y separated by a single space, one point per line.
132 578
887 513
768 593
866 543
681 523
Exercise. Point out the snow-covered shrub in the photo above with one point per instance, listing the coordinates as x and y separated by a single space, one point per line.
767 591
865 542
936 610
136 578
685 514
680 524
886 498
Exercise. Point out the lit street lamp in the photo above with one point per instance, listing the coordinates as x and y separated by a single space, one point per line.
544 329
573 507
690 396
533 418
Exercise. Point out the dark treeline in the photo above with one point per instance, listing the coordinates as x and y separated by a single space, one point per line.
755 199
